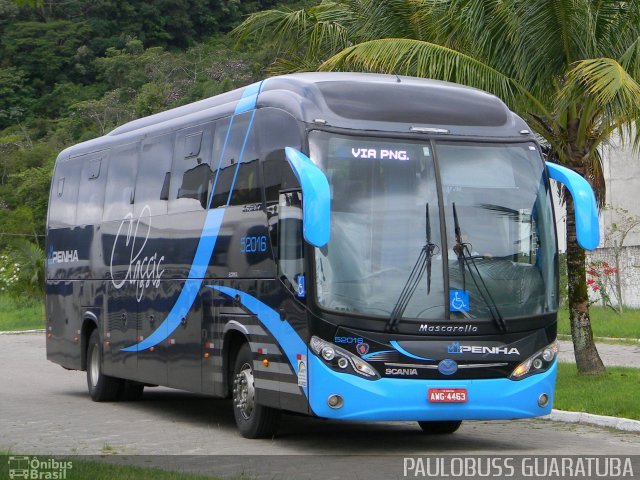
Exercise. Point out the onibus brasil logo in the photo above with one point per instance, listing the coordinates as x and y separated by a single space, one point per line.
35 468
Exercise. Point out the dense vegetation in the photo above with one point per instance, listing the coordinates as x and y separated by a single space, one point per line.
71 70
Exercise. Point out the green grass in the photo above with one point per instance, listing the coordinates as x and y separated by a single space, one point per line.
20 313
82 469
606 322
614 394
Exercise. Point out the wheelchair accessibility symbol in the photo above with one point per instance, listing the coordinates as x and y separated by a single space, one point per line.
459 300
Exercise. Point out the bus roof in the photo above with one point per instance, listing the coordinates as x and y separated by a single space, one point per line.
362 101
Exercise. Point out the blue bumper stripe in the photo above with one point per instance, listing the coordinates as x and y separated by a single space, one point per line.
395 399
395 345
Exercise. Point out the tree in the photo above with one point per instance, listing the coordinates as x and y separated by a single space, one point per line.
43 51
569 67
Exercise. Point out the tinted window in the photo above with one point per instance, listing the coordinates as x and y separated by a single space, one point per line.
247 186
118 200
62 212
231 150
276 130
290 245
191 171
91 192
155 162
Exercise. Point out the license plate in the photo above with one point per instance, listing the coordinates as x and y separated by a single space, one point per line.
447 395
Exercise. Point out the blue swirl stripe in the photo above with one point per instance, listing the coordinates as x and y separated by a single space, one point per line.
282 331
207 242
191 286
397 346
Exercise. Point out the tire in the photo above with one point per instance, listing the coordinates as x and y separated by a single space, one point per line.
440 428
253 420
130 391
102 388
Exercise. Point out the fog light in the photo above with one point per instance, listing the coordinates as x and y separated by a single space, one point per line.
543 400
328 353
343 362
335 401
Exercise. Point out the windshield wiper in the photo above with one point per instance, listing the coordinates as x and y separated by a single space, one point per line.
423 263
465 259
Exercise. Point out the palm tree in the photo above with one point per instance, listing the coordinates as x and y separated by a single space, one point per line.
570 67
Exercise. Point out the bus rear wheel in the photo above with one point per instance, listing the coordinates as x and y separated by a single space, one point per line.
440 427
253 420
102 388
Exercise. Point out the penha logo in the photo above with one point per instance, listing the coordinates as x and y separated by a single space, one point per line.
456 348
142 271
63 256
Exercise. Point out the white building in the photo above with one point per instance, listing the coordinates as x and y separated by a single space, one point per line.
622 177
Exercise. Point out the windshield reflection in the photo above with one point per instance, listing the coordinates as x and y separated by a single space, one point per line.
380 189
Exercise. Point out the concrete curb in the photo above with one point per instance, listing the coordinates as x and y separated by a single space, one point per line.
21 332
625 424
562 336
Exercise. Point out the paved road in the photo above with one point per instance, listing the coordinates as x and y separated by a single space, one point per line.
45 409
612 355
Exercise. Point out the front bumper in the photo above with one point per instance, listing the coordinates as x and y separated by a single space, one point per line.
396 399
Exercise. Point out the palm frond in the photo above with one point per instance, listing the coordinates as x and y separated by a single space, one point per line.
607 82
293 64
285 27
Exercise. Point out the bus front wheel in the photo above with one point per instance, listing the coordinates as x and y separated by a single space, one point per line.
440 427
253 420
102 388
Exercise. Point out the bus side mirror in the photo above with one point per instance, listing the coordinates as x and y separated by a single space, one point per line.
316 198
586 211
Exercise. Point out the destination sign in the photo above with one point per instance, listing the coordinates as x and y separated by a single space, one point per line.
380 153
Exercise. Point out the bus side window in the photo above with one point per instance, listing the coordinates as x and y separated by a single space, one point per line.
118 199
62 212
91 191
246 190
276 129
155 161
290 245
239 146
191 171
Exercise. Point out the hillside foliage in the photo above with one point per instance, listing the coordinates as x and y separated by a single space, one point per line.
72 70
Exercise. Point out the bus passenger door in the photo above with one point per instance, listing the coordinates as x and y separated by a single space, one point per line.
290 254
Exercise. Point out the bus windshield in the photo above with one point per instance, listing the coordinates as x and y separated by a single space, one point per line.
495 255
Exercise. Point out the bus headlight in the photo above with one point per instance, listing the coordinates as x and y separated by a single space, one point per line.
537 363
342 360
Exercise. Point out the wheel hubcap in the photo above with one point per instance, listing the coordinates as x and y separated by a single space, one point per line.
244 391
94 367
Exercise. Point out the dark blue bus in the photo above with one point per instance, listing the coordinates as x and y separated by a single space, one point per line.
348 246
